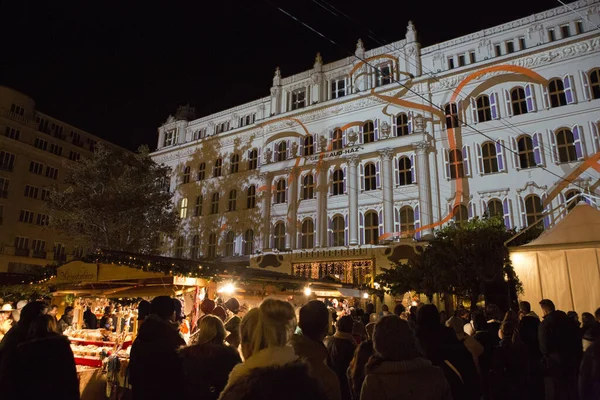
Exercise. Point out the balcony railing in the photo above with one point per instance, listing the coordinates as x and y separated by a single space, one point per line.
22 252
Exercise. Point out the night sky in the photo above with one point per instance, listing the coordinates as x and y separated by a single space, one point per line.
117 69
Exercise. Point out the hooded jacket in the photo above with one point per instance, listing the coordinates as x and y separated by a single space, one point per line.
314 354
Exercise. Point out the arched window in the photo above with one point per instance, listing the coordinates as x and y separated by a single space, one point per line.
457 168
368 132
252 159
308 187
489 158
218 167
383 74
280 191
232 203
494 208
229 244
249 242
571 203
202 171
534 210
183 206
460 215
370 177
336 139
339 235
526 155
518 101
565 142
235 164
407 221
251 197
282 151
179 247
594 76
186 174
451 111
195 247
338 182
371 228
404 171
198 208
212 246
214 204
484 111
402 125
279 242
308 234
556 91
309 145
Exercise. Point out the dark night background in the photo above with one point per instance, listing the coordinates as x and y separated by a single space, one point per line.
118 69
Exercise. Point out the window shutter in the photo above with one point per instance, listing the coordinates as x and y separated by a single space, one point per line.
494 106
538 151
569 89
396 221
286 193
474 110
413 170
545 98
275 151
288 150
472 210
394 126
459 112
466 161
361 227
362 177
500 155
417 233
380 217
530 98
546 211
298 234
515 151
585 83
507 213
344 138
595 139
259 156
330 182
579 142
346 230
345 180
378 174
553 148
330 143
483 207
376 126
479 158
446 164
507 103
523 212
301 146
397 170
410 124
330 231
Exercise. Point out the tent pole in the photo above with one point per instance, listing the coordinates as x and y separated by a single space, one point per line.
537 264
570 281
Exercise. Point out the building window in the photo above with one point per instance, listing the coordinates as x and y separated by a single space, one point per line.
595 83
222 127
279 237
308 187
309 145
52 172
450 62
308 234
518 101
217 171
282 151
472 59
198 208
214 204
383 74
565 31
489 158
339 231
457 169
522 45
451 112
4 188
494 208
229 244
497 50
298 99
249 242
170 138
337 139
56 149
338 182
252 159
39 246
183 206
22 243
195 247
36 168
234 164
565 142
212 246
407 221
534 210
40 144
556 91
551 35
571 203
402 125
74 156
371 228
31 191
404 171
460 215
461 60
16 109
370 177
12 133
368 132
338 88
232 204
510 47
202 171
280 192
251 197
186 174
26 216
45 194
526 152
7 161
578 27
43 219
484 111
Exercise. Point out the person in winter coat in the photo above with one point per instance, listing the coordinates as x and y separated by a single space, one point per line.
50 353
440 346
589 371
66 321
233 323
494 317
340 351
475 348
207 363
529 324
309 346
271 369
155 369
90 319
356 370
397 370
484 337
510 372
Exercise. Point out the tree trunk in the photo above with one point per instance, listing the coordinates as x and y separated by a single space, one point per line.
474 297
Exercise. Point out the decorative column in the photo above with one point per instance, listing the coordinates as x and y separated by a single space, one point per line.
321 220
353 186
267 182
422 161
292 214
387 184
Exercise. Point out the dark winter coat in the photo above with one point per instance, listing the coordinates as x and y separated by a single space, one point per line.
46 369
314 354
206 368
340 351
560 345
155 369
90 319
528 331
589 373
510 373
8 359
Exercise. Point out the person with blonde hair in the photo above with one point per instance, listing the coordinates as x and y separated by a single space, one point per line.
271 369
208 362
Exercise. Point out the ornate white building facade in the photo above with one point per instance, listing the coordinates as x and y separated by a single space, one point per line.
346 163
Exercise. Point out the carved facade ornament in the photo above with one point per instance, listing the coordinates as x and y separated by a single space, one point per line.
352 137
411 33
318 59
421 147
532 187
322 143
386 154
353 160
419 123
268 155
294 149
493 194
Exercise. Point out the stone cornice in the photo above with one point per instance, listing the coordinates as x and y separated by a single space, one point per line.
494 193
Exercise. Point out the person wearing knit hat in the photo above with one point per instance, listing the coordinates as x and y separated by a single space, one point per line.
220 312
232 325
233 305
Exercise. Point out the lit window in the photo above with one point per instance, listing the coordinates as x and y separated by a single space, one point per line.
183 208
249 242
218 167
214 204
339 234
534 210
402 125
407 221
565 142
229 244
556 91
280 192
308 234
451 112
309 145
279 236
460 215
308 187
202 171
336 139
518 101
370 177
338 182
484 111
457 169
298 99
368 132
251 197
371 228
252 159
404 171
234 164
170 138
489 158
494 208
383 74
212 246
338 88
526 152
232 200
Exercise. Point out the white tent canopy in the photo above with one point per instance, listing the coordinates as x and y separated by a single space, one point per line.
563 263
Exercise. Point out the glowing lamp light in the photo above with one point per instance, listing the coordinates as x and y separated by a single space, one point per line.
307 291
229 288
377 285
414 303
365 295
